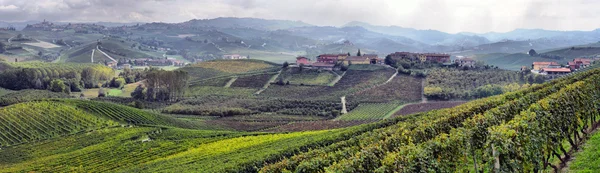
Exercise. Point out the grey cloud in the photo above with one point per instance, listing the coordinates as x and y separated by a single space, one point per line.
444 15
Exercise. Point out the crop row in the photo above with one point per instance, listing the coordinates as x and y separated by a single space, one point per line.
365 153
36 121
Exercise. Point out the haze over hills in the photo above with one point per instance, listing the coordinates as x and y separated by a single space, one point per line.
283 40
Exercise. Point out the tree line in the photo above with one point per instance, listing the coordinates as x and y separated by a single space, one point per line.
73 78
161 85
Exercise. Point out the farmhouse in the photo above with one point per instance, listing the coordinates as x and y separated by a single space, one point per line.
573 66
583 62
465 62
234 56
327 58
357 60
365 59
555 71
111 64
302 60
538 66
436 57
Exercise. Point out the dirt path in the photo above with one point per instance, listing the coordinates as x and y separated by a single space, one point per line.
10 39
338 78
108 56
230 82
93 51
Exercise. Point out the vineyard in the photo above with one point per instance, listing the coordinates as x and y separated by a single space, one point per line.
150 149
15 97
447 84
424 107
200 72
376 111
224 106
307 76
481 132
254 81
402 87
293 128
353 81
34 121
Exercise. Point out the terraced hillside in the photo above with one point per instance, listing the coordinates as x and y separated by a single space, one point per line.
518 130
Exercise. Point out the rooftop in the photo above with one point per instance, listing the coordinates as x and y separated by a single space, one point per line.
557 70
545 63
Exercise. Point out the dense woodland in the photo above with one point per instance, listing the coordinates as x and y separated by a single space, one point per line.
40 75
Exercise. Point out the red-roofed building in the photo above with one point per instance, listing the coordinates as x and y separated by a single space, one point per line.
465 62
573 66
583 62
541 65
437 57
328 58
555 71
302 60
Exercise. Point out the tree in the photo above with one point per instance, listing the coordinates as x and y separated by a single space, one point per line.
301 66
118 82
390 61
40 54
138 93
358 53
532 52
349 54
58 85
285 64
2 49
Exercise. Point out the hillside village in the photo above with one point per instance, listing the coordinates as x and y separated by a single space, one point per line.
554 69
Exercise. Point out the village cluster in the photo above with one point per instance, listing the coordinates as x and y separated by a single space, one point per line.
123 63
329 61
556 69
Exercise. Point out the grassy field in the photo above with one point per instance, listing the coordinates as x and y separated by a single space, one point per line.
307 76
93 93
587 159
233 66
376 111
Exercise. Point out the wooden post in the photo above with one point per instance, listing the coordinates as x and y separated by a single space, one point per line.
497 162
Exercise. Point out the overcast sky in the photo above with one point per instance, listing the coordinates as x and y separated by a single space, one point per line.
445 15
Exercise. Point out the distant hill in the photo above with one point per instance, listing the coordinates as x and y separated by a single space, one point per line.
231 22
432 37
510 61
527 34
